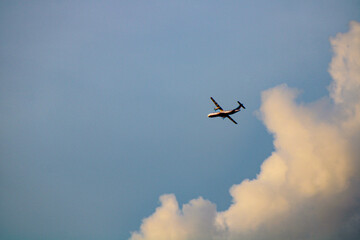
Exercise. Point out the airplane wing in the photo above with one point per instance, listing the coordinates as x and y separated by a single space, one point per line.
232 119
217 105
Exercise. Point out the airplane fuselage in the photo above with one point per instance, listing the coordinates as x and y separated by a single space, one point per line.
223 113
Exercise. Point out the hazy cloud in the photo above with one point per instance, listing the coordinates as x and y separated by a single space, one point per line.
307 188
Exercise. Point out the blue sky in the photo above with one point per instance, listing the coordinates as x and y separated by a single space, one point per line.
103 104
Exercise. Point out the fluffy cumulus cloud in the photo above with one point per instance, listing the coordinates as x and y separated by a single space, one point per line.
309 188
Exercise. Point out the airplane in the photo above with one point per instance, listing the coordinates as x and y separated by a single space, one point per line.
223 113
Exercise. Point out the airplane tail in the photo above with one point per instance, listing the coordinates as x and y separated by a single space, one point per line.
240 105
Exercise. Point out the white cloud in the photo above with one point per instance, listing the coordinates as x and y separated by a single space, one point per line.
308 188
194 221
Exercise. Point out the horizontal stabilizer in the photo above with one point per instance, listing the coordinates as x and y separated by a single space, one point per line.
241 105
